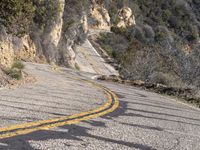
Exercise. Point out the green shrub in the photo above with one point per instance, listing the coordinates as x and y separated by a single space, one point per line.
156 45
15 71
16 15
77 66
114 44
18 64
149 32
118 30
108 49
166 15
139 34
160 36
46 11
70 23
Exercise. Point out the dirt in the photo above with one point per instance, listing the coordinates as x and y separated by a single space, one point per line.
4 79
188 95
7 81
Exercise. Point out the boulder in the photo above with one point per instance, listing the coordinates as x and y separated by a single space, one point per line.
6 48
99 17
125 18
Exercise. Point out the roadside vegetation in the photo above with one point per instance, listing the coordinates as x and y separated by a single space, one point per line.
153 62
15 71
16 15
162 48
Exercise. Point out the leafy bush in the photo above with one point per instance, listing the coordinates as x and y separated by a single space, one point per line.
178 16
154 62
18 65
149 32
166 15
16 15
113 43
46 11
160 36
15 71
118 30
138 34
154 50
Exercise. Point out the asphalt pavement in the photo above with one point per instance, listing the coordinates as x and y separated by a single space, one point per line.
143 120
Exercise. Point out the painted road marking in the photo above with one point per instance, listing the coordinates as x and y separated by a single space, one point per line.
26 128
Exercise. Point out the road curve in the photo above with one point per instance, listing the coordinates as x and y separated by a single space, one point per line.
89 60
143 120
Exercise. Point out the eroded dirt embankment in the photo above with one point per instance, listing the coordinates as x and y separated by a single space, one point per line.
187 95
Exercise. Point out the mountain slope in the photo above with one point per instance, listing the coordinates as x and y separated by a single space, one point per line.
162 33
162 47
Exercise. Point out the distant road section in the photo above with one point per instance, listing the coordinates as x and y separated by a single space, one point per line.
33 116
89 60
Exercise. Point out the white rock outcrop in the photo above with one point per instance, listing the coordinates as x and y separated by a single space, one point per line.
12 47
125 18
99 17
24 48
6 49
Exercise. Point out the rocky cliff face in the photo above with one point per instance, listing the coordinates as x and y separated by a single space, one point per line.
13 47
125 18
57 27
60 34
6 51
63 26
101 16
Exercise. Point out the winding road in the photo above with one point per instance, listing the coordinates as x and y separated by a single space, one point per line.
33 116
89 60
69 110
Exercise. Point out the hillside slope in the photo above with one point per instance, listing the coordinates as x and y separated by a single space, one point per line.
162 46
156 41
42 31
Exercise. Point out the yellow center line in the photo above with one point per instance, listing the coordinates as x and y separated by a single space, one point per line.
26 128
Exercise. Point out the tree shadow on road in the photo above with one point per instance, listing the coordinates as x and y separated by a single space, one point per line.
73 133
83 131
70 132
124 110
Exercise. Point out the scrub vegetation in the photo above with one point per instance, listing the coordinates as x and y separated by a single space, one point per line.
163 47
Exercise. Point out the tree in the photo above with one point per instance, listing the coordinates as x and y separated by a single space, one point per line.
16 15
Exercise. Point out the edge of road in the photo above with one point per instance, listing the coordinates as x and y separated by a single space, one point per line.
26 128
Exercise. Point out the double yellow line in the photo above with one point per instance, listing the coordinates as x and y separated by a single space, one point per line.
26 128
